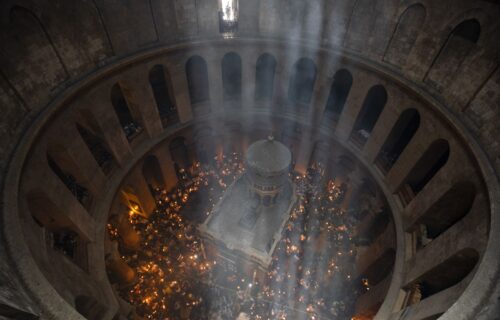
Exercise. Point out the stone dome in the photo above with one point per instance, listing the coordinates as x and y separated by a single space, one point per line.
269 157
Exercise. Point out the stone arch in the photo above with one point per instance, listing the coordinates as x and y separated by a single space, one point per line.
68 173
429 164
97 147
450 208
400 136
460 43
447 274
61 233
373 105
339 90
265 71
161 85
130 126
405 34
301 86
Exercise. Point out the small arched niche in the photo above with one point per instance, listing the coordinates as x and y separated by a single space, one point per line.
458 46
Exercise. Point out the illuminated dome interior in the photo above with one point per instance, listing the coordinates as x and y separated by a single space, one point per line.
225 159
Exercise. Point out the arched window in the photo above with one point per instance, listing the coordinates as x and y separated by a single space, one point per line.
447 274
129 125
300 90
97 148
405 35
399 137
231 76
341 85
151 170
197 77
162 92
80 192
370 111
434 158
264 77
453 53
228 16
455 204
180 155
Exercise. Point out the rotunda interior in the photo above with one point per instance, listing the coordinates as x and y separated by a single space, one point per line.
264 159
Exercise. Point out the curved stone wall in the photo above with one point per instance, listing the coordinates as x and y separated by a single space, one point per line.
53 77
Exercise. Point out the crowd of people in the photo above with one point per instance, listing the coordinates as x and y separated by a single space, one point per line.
309 277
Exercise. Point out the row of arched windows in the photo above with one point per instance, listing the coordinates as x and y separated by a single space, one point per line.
300 89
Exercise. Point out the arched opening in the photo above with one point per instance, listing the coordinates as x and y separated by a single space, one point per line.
367 118
339 90
459 44
180 155
130 126
301 87
80 192
380 268
434 158
264 77
228 16
162 92
446 274
151 170
60 234
97 148
231 77
90 308
455 204
405 34
399 137
197 77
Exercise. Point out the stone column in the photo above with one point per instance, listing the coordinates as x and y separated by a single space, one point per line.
249 61
214 60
